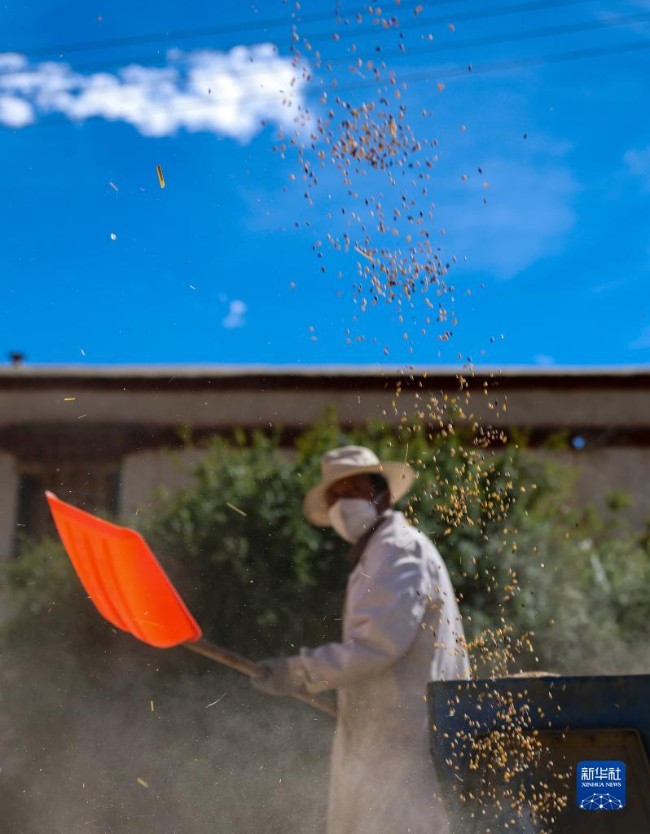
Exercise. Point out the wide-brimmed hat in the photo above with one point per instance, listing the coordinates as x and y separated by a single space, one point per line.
353 460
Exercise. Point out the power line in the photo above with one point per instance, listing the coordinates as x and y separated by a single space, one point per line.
514 64
526 34
210 31
134 40
464 17
486 40
197 32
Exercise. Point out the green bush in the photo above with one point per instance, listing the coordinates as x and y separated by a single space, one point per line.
46 600
260 580
257 577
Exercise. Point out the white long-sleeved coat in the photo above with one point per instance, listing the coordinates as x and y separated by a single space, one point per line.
401 629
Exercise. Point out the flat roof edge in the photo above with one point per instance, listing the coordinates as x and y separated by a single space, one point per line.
135 372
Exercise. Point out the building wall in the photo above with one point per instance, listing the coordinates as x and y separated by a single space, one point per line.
293 406
8 505
81 431
598 473
604 471
143 474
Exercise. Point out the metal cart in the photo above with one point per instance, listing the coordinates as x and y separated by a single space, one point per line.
505 749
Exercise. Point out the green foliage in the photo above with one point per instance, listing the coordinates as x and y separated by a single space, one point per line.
46 597
39 577
582 583
262 581
235 541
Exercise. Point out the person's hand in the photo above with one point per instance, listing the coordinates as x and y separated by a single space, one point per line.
276 678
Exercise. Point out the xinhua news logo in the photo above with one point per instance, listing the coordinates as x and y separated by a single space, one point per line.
601 786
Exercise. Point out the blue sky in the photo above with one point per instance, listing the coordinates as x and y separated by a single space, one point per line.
534 131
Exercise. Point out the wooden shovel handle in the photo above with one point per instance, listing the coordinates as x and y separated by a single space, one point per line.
252 670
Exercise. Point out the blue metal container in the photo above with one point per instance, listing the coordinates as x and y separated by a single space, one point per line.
543 754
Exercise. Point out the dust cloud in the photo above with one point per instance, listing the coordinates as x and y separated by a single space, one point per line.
133 740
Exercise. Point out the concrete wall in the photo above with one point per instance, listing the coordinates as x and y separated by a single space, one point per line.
615 469
144 473
586 408
599 473
8 505
87 414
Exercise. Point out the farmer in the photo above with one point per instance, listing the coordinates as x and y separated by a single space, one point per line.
401 629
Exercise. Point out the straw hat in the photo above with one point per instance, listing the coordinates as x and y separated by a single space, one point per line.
353 460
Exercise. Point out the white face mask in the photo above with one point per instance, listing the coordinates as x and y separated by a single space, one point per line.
352 517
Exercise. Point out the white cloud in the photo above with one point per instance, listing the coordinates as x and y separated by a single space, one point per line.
14 112
638 163
227 93
12 61
236 315
643 340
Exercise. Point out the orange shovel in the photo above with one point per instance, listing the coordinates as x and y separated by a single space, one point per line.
130 589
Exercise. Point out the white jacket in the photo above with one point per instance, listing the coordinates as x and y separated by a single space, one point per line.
401 629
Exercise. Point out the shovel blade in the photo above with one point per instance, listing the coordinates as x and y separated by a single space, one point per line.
123 578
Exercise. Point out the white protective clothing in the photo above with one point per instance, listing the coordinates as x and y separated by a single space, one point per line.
401 629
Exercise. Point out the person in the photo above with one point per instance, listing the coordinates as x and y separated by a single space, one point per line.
401 629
